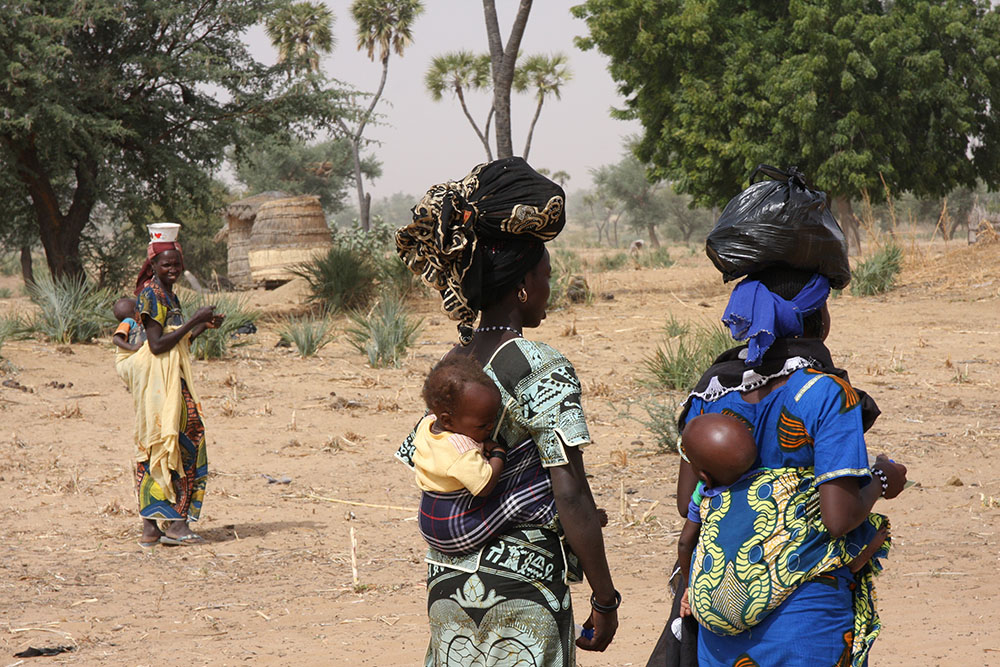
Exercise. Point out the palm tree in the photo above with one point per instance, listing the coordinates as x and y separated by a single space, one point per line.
385 26
460 71
546 75
301 32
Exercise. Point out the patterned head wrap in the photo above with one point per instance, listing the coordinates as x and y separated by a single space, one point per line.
478 237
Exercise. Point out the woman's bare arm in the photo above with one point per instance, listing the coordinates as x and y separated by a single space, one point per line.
581 524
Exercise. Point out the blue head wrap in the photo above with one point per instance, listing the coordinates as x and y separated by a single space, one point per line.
759 316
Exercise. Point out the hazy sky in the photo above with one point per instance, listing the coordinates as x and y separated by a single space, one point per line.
426 142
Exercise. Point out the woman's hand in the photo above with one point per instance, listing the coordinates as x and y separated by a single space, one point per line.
203 315
895 475
604 625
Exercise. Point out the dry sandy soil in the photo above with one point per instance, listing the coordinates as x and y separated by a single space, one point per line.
274 585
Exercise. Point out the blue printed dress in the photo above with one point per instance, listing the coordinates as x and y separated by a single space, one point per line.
812 421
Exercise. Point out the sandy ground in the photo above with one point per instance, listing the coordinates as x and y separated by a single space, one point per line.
274 585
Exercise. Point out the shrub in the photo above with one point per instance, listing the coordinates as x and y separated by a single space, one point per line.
676 327
10 264
656 259
878 273
309 334
566 284
679 361
215 343
342 279
5 293
385 333
612 262
9 327
395 276
71 309
661 421
114 257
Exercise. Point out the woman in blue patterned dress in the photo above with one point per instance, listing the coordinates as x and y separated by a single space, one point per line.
805 416
480 242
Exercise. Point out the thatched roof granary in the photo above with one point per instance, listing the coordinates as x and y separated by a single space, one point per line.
240 217
286 233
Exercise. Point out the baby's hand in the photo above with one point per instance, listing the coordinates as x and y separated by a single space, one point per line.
685 609
602 516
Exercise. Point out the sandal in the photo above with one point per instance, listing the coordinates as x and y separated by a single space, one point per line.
184 540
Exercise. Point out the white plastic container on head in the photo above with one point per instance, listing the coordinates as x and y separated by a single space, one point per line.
163 232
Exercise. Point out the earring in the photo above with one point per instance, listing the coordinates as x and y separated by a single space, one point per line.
522 295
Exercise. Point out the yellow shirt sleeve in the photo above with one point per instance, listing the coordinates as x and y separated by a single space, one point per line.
445 462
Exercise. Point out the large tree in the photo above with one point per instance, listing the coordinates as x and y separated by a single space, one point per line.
131 104
383 26
503 58
859 94
302 33
459 72
545 75
626 182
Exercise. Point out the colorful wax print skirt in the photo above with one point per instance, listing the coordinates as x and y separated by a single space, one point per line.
189 482
507 605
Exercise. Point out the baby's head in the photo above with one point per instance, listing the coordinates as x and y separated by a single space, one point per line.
462 397
124 307
720 448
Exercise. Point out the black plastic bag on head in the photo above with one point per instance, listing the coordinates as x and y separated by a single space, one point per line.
779 222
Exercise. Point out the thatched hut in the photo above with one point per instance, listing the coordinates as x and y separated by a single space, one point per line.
286 233
240 217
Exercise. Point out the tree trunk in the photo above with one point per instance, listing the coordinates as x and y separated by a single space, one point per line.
615 228
483 138
653 241
531 128
27 270
60 234
363 209
503 59
849 222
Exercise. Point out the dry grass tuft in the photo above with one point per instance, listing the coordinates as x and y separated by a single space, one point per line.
68 412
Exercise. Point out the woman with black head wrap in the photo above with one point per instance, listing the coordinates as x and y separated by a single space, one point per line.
499 567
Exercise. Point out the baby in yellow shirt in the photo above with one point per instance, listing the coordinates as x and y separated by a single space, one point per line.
453 446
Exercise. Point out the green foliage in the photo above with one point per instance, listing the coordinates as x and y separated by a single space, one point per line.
385 333
324 169
878 273
394 276
720 87
342 279
661 422
9 327
675 327
114 253
71 309
301 32
680 360
658 258
132 105
10 264
5 293
309 334
612 262
215 343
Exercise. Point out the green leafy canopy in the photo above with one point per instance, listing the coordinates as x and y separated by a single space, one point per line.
850 91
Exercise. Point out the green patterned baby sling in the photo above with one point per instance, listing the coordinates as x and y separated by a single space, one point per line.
763 537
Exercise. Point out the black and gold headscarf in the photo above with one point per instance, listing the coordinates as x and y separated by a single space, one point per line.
476 238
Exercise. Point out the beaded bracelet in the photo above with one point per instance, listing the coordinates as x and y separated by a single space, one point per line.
606 608
878 472
498 454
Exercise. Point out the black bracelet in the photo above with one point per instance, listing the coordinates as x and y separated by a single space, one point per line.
606 609
878 472
498 454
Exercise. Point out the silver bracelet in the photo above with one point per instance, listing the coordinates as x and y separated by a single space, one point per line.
878 472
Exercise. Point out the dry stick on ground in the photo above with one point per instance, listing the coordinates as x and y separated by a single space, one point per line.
359 504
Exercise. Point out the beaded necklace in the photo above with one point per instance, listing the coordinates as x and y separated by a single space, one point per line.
499 327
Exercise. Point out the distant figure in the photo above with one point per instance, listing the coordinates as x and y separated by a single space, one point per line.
637 245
